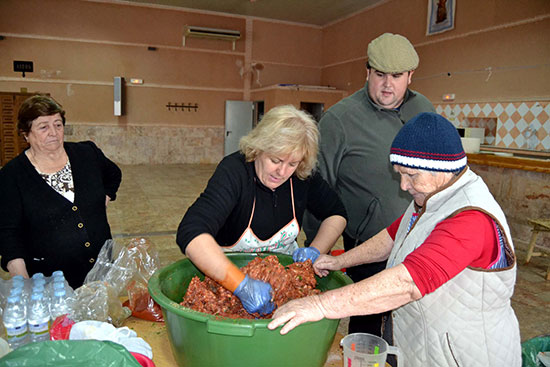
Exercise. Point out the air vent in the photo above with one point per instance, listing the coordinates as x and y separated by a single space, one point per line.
212 33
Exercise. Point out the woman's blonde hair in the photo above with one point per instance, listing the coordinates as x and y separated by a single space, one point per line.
284 130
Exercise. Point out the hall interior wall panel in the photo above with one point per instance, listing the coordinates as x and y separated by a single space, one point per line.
114 22
288 44
509 37
161 68
510 64
177 81
349 77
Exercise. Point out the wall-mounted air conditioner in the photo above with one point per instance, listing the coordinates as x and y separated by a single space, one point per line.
212 33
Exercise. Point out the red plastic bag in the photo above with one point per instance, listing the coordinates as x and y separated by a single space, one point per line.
141 303
144 361
61 328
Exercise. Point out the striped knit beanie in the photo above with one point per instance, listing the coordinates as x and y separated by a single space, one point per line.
429 142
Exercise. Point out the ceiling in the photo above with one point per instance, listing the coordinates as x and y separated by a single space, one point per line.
315 12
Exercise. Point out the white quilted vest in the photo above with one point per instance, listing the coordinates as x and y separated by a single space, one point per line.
468 321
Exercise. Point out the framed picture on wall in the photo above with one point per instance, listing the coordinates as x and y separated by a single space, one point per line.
441 16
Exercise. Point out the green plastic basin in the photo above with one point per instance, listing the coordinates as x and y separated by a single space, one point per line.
200 339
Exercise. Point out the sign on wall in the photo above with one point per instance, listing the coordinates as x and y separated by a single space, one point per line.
23 66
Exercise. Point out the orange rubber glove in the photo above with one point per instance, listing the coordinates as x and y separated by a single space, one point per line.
233 277
255 295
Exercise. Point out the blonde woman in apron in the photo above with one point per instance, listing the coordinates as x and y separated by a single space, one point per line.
255 202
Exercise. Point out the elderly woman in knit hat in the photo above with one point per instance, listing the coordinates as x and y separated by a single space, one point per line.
451 263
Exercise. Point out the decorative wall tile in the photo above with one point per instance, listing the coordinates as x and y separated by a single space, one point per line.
518 125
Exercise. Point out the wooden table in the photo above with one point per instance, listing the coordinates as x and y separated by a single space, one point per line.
156 334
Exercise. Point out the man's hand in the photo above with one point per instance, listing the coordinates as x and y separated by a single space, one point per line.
305 253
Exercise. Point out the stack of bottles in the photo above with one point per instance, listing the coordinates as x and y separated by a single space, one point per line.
32 306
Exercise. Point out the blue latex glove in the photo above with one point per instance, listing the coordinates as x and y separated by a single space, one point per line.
255 296
304 253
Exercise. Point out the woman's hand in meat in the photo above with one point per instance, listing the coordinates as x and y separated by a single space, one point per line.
297 312
326 263
255 296
305 253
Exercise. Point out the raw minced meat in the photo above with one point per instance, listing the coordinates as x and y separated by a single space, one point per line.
293 281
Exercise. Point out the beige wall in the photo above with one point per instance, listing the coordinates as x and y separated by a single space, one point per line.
79 46
289 53
511 37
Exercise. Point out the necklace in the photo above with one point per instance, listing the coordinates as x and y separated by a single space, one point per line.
58 163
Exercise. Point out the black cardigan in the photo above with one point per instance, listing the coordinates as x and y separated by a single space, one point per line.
47 230
223 209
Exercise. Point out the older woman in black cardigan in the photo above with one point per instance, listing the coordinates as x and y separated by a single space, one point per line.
53 198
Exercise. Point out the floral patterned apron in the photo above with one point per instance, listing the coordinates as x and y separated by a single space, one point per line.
284 241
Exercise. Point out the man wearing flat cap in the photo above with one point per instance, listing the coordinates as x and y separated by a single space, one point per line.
356 134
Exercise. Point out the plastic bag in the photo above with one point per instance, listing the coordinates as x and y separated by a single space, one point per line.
135 263
61 328
104 331
147 262
116 273
544 358
98 301
141 303
70 353
531 348
4 347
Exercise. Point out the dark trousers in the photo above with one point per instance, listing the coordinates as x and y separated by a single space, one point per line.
371 324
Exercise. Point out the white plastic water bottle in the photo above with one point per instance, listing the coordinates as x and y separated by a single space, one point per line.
39 281
46 299
16 291
58 277
59 304
17 280
38 317
36 276
59 285
15 322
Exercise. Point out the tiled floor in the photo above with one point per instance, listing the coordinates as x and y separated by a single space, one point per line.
153 199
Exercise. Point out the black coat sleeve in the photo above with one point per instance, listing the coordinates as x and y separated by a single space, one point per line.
216 203
111 174
11 218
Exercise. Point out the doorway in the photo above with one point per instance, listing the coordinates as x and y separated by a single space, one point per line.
314 109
